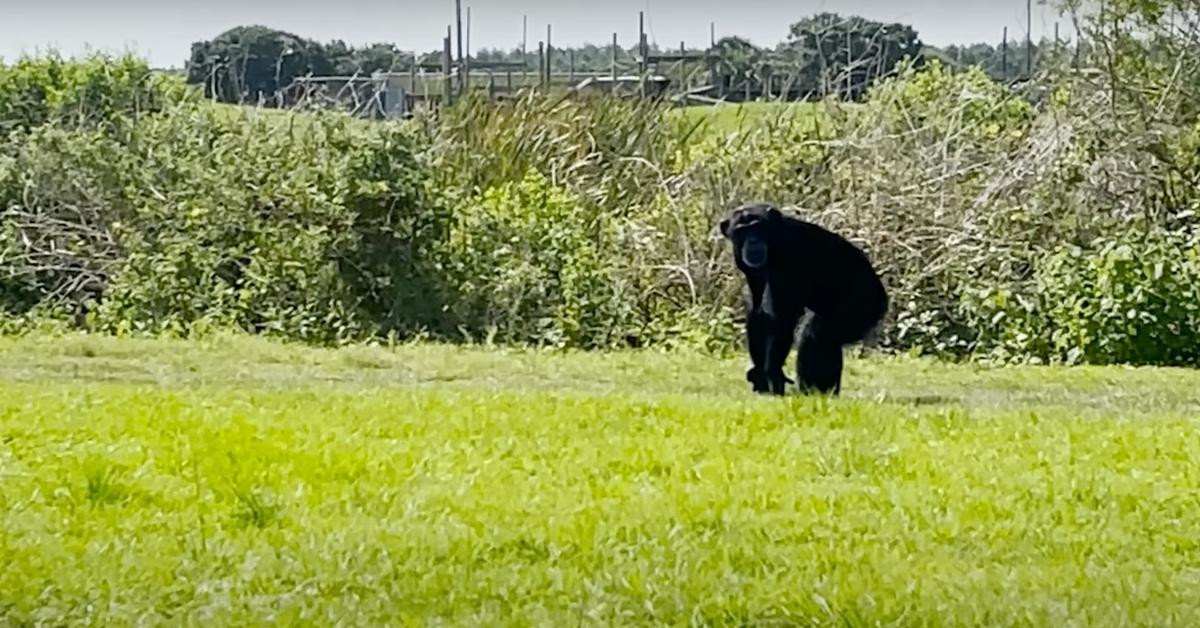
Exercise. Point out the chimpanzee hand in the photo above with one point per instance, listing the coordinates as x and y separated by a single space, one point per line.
762 382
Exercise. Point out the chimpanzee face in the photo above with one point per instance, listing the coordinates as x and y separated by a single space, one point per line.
748 227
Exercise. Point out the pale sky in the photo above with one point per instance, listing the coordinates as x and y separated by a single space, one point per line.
163 30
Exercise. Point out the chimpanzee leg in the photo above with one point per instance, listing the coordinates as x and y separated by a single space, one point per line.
819 359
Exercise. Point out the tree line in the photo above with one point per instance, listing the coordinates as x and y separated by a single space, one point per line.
822 54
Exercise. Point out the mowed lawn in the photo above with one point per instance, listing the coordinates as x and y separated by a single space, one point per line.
238 482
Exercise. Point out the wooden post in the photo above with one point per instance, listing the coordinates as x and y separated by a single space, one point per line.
645 63
714 76
849 67
466 68
524 52
642 53
1028 38
1057 41
491 85
641 30
1078 49
509 73
571 67
459 21
412 76
447 88
682 65
1004 56
712 34
541 63
613 88
549 56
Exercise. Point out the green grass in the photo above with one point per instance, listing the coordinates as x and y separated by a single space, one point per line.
718 119
281 119
737 117
239 482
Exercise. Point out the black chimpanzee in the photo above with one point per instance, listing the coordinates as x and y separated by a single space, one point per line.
792 265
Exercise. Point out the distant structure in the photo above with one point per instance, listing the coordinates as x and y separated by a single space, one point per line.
429 85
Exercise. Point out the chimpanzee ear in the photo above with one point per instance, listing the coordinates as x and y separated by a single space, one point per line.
774 214
725 227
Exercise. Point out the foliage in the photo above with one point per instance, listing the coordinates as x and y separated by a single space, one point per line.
740 60
1048 221
366 60
255 64
96 90
577 185
533 264
197 219
1007 63
1133 302
846 55
60 196
1129 300
824 54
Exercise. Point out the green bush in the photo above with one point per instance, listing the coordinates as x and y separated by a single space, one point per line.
60 196
1125 300
611 152
1000 217
1130 302
578 200
932 103
206 217
533 263
96 90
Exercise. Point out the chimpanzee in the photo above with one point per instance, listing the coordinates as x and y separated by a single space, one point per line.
792 266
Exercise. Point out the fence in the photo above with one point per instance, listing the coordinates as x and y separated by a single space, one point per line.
691 77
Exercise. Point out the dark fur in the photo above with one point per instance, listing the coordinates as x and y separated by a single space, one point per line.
806 267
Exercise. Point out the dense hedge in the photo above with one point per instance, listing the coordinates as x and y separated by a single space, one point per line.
1008 225
35 91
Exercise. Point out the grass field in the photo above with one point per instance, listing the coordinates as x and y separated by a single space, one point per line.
720 119
734 118
238 482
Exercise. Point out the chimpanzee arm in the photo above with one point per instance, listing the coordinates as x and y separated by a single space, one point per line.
758 335
782 335
770 338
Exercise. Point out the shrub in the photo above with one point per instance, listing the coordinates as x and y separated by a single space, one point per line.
60 196
94 91
533 263
577 200
1053 222
1123 300
1133 301
205 216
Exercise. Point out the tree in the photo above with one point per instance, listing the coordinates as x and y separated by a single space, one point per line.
846 55
740 60
378 57
252 63
999 65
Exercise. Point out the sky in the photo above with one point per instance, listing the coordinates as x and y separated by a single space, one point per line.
163 30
